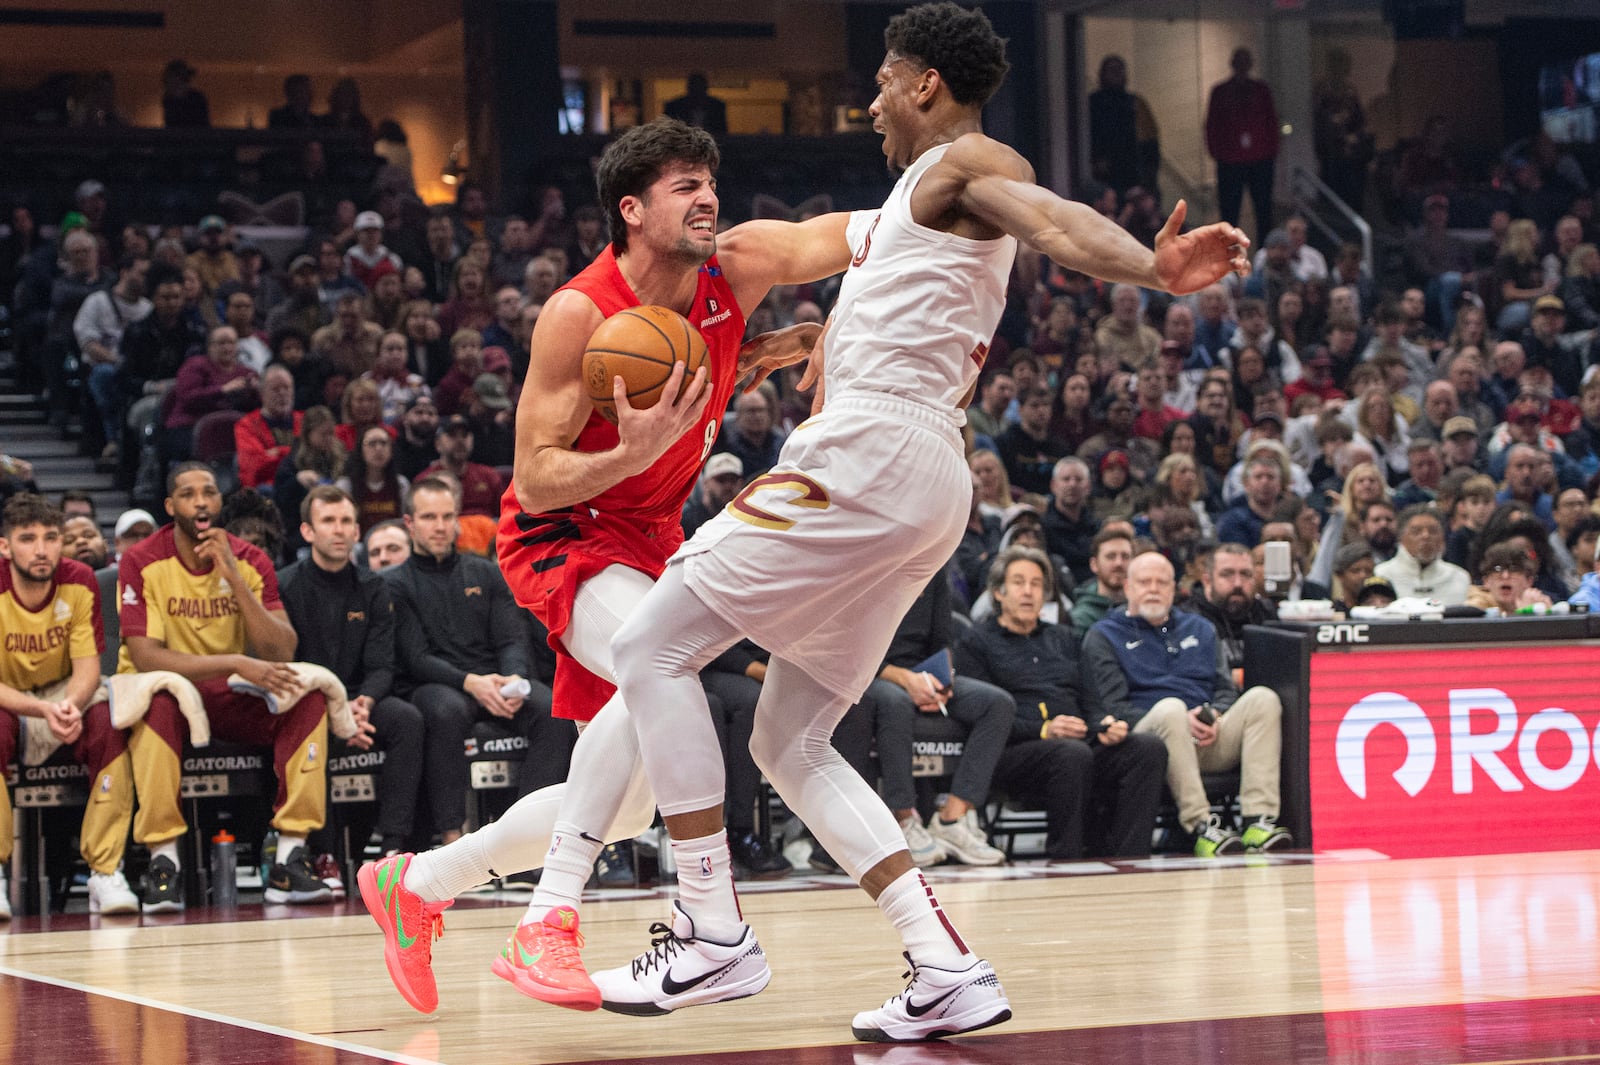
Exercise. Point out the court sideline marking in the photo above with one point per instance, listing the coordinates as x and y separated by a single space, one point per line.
221 1018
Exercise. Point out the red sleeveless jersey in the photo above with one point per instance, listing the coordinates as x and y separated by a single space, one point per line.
658 494
636 522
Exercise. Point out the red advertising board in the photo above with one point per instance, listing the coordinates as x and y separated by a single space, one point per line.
1456 750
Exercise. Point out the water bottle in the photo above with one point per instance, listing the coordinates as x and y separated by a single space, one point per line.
224 871
516 688
269 853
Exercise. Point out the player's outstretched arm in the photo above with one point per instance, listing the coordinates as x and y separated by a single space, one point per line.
761 253
1080 238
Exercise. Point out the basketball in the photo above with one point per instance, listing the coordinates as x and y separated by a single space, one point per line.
639 345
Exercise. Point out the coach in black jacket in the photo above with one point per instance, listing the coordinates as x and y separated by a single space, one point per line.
344 616
461 638
1062 749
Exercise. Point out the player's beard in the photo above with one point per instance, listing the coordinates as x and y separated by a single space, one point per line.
188 526
38 574
692 253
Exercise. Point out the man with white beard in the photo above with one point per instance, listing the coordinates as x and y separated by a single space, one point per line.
1165 671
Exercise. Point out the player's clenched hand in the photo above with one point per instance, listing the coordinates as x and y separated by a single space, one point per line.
1188 262
776 349
647 434
65 722
213 547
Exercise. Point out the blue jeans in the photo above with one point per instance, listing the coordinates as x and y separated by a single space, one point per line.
1442 293
1514 318
103 387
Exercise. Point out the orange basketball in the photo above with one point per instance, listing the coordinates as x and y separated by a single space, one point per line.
639 345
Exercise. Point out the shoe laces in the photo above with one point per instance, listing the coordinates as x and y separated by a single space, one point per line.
663 948
910 977
563 945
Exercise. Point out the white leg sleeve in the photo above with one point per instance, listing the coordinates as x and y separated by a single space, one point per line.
606 793
659 652
793 745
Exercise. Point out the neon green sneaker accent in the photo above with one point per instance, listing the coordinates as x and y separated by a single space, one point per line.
389 879
1212 838
1265 834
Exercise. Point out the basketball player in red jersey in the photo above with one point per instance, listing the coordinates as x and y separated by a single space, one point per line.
591 517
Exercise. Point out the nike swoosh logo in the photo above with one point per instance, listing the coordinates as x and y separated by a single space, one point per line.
390 885
673 987
1131 646
918 1011
591 839
528 959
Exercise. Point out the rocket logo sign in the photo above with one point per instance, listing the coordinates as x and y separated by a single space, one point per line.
1386 708
1455 750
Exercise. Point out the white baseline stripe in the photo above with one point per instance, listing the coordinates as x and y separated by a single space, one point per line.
207 1015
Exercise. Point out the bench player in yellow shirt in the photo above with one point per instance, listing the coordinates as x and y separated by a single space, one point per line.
50 679
193 599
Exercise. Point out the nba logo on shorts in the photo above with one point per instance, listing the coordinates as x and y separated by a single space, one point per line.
705 869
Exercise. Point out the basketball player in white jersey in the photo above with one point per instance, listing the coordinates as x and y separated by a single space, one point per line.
820 558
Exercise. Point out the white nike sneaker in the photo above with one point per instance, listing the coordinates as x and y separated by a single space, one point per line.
109 893
680 970
936 1003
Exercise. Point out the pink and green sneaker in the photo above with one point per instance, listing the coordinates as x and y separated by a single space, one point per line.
542 960
409 926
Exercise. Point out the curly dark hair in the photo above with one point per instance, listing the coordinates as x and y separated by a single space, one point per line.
253 517
26 508
632 163
960 44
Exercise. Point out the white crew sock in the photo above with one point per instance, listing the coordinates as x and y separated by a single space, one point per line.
567 866
287 845
441 874
929 936
705 887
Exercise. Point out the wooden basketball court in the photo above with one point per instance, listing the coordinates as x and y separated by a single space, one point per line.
1344 958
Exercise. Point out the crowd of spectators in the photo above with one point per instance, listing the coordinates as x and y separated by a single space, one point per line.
1427 431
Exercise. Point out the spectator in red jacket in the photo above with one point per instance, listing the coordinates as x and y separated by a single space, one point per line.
263 437
1242 136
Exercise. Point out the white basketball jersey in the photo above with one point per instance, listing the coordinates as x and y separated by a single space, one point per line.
918 307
